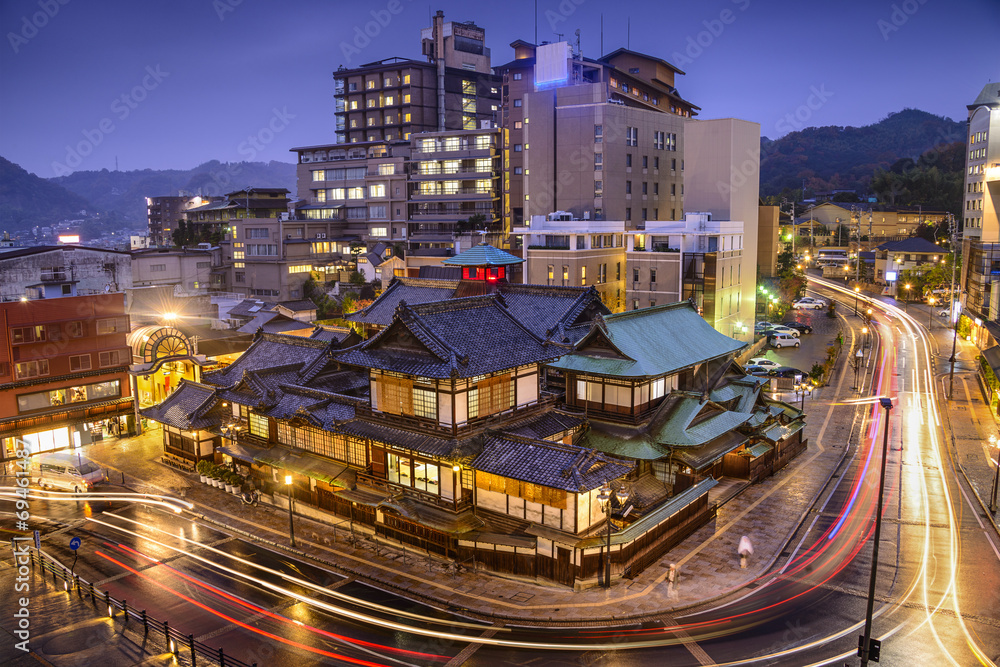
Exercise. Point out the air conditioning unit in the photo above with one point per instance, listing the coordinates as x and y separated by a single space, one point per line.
288 236
321 235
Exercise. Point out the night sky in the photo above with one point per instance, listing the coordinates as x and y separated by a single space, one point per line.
173 84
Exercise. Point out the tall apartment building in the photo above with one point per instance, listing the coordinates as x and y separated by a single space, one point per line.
63 370
981 226
164 213
601 139
391 99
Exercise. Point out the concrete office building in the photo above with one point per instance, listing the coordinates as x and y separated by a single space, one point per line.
163 214
589 136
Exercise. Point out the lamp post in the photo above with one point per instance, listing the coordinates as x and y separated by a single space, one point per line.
864 330
291 524
886 403
604 500
905 301
859 359
995 444
802 389
930 312
857 289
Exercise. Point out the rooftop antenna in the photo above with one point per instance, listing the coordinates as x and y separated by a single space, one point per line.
579 51
628 33
536 22
602 36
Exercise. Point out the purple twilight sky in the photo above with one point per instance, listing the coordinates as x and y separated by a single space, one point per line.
173 84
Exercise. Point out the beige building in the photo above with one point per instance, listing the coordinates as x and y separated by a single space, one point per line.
189 270
877 225
583 135
696 258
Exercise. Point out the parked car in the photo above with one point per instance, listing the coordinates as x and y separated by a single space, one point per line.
64 470
756 370
785 372
944 312
761 327
763 361
815 305
783 340
777 328
798 326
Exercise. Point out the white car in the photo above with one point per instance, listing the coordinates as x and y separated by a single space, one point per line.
763 361
784 340
803 303
778 329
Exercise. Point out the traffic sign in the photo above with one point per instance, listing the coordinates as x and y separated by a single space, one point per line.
74 544
38 540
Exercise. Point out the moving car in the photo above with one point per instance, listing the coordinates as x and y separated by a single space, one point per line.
804 303
798 326
65 470
763 361
783 340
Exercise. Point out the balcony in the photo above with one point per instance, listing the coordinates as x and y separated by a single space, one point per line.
54 276
432 427
456 193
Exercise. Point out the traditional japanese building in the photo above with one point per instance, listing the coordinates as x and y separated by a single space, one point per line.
460 427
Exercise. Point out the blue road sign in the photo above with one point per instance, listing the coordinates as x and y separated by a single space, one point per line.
74 544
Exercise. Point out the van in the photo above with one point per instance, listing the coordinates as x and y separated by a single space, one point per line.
68 471
783 340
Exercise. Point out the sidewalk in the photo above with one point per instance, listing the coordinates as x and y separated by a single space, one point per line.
969 421
707 563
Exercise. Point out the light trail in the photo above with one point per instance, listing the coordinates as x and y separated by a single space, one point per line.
303 582
176 505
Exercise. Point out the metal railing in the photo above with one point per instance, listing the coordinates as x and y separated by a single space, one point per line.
153 631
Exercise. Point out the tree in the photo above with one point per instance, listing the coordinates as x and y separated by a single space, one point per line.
356 278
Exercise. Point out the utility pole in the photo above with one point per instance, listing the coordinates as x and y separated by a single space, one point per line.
864 651
951 306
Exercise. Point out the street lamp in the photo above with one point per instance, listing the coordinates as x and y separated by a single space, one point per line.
930 312
859 359
995 444
803 388
864 330
866 642
604 500
857 290
291 524
907 288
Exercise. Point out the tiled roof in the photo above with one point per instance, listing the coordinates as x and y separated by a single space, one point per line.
268 351
189 407
273 322
298 306
452 338
650 342
425 444
550 464
339 334
543 308
545 425
410 290
915 244
482 255
248 308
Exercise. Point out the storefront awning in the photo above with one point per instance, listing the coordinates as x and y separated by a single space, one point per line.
310 465
242 452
